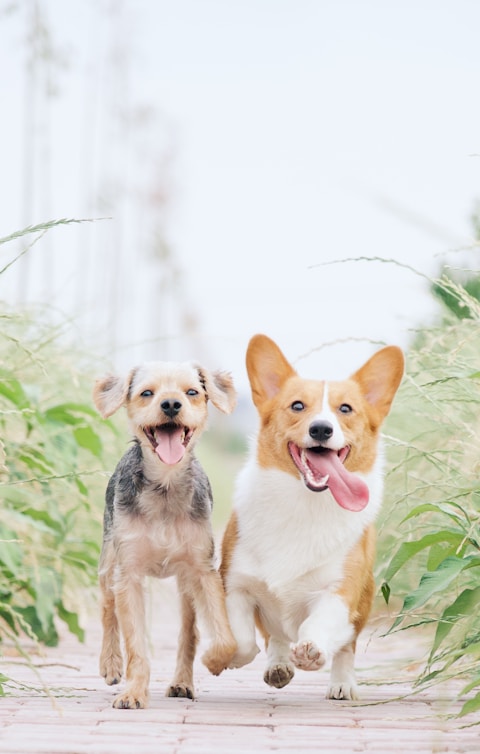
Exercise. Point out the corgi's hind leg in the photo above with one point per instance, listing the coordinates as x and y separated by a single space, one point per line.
342 676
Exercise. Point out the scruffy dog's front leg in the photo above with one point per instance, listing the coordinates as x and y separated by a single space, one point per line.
182 683
130 605
111 660
211 601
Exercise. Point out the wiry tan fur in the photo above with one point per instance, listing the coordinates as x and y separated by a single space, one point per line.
157 523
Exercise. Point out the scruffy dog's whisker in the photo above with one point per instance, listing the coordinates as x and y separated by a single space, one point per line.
157 523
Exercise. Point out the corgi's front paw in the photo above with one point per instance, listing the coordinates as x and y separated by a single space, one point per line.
279 675
307 656
243 656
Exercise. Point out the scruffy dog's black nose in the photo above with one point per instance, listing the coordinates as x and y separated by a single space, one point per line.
170 408
321 431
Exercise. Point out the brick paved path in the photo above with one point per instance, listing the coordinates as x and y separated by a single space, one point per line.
235 712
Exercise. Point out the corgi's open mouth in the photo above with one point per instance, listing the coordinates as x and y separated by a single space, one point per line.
322 468
169 441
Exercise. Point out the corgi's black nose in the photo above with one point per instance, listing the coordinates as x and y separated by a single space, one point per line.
321 431
170 407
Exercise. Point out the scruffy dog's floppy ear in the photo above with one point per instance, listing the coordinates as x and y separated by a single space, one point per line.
219 388
110 393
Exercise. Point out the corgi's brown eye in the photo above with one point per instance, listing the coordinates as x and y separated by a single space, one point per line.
297 406
192 392
146 394
345 408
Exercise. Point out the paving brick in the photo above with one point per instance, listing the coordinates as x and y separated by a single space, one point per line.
236 712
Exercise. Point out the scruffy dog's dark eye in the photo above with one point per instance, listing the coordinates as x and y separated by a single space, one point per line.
297 406
345 408
192 392
146 394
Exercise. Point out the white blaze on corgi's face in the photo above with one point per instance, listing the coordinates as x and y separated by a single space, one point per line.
325 433
321 455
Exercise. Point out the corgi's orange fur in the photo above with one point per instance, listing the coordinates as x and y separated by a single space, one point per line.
298 551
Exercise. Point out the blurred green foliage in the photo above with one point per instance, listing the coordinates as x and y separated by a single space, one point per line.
431 510
52 476
51 473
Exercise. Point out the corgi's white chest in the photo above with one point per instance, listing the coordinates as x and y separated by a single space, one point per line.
289 534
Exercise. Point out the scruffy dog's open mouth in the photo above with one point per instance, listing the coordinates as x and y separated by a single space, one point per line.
169 441
322 468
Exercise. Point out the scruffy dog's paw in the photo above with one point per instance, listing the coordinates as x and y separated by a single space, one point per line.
131 700
279 675
218 657
180 690
307 656
112 670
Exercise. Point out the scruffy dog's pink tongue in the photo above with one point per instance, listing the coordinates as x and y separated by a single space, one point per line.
325 469
170 448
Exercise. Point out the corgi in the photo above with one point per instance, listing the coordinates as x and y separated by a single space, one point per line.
298 550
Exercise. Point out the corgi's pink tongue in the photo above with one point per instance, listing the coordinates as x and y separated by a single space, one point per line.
326 470
170 448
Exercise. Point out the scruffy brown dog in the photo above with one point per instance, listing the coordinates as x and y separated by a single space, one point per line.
157 523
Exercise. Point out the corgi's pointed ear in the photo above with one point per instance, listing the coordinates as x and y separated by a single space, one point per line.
267 368
110 393
380 377
219 389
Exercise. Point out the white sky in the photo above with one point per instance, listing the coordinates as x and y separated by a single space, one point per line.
286 133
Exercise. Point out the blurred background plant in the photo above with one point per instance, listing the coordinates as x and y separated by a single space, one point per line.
431 511
52 474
